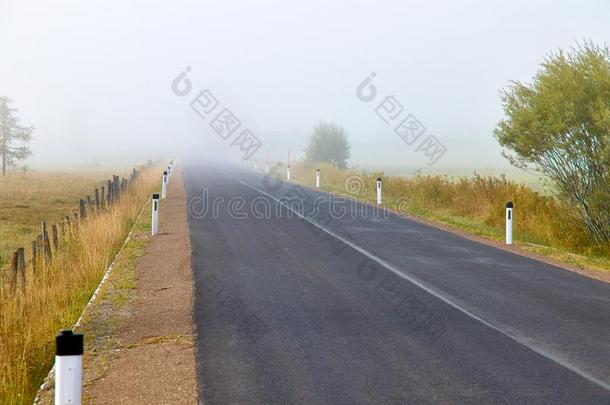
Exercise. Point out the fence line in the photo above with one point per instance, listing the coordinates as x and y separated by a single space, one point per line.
42 248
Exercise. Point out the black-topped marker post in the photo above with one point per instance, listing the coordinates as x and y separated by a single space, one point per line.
378 190
509 223
155 214
68 367
317 178
164 185
288 168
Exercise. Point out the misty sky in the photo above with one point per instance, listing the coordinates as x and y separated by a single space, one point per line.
94 76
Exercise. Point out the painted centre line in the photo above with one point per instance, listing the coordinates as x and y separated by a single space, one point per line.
415 281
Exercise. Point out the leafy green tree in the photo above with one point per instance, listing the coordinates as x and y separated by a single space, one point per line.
328 143
14 138
559 126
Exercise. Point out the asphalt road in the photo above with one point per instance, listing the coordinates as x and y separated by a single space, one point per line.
345 304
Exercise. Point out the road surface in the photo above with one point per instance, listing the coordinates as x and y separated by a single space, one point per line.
346 304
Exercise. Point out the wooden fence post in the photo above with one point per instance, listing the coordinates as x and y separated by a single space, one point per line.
54 236
14 264
46 244
33 256
102 198
116 191
113 190
97 199
83 212
21 265
109 193
43 233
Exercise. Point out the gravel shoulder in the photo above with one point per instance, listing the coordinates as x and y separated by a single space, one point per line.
139 332
153 359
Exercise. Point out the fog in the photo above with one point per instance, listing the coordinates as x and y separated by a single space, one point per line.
94 77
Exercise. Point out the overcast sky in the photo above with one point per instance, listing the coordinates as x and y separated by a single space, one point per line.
94 77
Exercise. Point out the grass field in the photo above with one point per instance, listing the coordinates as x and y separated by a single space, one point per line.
25 201
474 204
535 182
55 293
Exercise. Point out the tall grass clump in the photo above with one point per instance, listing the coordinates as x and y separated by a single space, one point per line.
55 292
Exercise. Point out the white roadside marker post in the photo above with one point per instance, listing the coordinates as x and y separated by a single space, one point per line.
509 223
155 214
288 168
164 186
317 178
378 190
267 167
68 367
255 166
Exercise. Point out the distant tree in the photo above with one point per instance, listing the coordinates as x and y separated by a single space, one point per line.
328 143
559 126
14 138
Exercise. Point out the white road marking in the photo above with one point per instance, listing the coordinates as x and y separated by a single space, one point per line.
429 290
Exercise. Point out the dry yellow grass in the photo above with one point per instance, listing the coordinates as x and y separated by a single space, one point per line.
25 201
55 294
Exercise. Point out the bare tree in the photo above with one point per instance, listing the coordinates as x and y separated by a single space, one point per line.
14 138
